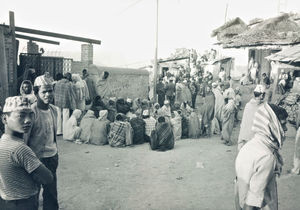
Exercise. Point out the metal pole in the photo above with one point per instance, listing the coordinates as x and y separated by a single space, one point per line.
226 12
155 56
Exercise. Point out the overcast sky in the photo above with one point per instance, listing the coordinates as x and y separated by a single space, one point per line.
127 27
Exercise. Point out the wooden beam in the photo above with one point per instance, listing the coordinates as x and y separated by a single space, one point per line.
57 35
173 59
21 36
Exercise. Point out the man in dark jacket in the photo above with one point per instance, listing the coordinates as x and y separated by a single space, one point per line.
170 92
160 90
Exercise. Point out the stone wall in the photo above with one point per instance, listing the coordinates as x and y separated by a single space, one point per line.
122 82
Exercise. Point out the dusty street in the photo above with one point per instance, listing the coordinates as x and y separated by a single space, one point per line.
197 174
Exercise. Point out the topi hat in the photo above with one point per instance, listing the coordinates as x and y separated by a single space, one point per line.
16 103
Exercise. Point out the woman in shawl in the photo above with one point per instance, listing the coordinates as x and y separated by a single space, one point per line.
72 130
99 129
228 113
86 124
117 133
162 137
259 161
208 109
81 90
26 90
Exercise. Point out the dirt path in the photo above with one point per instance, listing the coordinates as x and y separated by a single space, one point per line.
197 174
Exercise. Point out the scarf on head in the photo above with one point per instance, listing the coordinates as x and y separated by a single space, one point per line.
267 126
103 115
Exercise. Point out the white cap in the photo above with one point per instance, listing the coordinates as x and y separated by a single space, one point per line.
260 89
16 103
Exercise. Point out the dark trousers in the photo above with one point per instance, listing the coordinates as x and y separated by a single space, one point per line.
171 99
194 96
161 98
50 201
22 204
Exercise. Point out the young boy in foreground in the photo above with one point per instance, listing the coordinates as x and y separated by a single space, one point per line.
20 170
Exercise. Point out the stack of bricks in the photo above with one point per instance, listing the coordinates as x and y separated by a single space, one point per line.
87 53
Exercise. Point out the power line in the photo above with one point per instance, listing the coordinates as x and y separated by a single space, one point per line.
129 6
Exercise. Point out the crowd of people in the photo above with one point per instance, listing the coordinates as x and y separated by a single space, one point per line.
189 106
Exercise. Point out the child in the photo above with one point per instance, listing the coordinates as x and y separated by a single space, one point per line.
20 170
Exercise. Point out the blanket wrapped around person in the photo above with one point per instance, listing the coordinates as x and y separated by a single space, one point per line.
162 137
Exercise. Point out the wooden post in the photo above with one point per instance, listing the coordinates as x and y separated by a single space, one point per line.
155 56
4 91
13 74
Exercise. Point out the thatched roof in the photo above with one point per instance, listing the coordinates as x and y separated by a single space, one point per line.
229 29
281 30
291 54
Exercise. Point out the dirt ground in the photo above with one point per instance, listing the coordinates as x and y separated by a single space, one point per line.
196 174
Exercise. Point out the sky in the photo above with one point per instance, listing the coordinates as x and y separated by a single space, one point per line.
126 28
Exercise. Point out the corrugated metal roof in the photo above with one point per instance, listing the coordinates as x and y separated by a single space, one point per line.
291 54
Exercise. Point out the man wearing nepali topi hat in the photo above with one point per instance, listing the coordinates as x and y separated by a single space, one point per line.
42 138
20 169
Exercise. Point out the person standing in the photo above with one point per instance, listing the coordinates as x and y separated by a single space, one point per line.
65 100
42 139
102 85
20 170
170 91
228 113
90 84
160 90
246 134
259 161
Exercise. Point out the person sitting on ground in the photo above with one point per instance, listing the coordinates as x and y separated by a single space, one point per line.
21 172
122 106
86 125
111 110
246 134
26 90
73 131
259 161
176 123
97 105
155 112
162 137
117 133
99 129
149 124
138 126
165 110
130 114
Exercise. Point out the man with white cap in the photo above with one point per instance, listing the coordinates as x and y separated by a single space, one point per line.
20 169
251 107
42 138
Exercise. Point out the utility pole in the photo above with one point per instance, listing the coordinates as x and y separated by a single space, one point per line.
155 69
226 12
